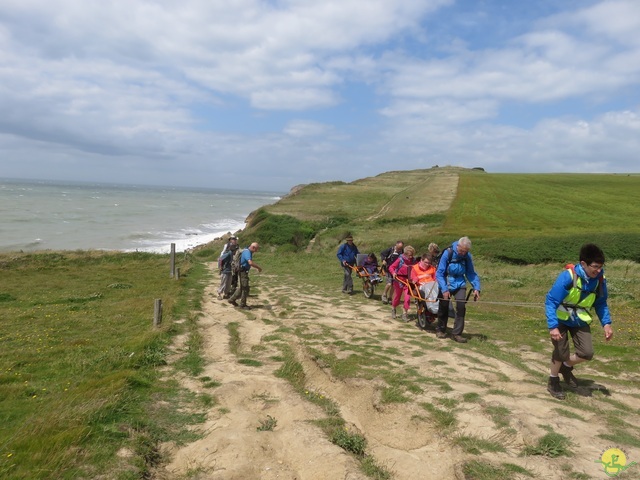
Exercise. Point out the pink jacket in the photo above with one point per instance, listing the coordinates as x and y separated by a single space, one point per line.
402 266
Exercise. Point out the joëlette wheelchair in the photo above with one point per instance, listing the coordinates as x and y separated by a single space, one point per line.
369 280
425 296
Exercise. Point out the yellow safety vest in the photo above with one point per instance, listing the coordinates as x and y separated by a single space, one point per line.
573 304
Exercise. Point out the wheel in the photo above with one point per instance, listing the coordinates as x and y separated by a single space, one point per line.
368 288
422 316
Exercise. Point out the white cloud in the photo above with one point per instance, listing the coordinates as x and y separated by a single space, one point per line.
335 90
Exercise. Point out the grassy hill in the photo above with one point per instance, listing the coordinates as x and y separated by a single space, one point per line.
522 218
89 389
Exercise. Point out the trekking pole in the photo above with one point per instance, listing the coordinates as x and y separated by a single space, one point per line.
469 295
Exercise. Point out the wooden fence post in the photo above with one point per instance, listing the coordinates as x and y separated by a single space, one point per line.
157 312
173 260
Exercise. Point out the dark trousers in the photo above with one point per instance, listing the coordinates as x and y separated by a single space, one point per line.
443 311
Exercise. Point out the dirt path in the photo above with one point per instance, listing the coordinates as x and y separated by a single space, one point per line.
491 399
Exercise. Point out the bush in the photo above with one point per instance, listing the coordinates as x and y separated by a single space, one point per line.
280 230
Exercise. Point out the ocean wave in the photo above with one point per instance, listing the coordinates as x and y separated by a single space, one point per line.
184 239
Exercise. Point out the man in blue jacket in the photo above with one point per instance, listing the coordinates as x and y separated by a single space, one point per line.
577 290
246 264
454 269
347 254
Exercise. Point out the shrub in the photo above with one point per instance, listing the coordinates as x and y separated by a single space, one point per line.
281 229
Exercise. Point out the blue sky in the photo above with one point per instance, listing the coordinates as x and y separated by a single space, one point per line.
271 94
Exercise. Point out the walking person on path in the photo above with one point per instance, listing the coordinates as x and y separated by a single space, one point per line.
347 255
577 290
401 271
455 268
246 264
232 246
387 257
225 273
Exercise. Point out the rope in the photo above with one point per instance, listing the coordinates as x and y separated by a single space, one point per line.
513 304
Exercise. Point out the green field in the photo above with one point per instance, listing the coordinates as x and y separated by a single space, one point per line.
520 218
79 361
80 365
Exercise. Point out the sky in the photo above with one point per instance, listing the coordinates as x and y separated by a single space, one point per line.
270 94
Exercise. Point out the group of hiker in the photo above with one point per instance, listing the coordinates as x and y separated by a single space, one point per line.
451 270
234 264
577 291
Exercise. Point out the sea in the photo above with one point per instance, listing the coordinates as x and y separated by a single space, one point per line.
53 215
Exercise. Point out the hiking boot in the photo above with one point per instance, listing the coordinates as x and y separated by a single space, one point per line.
393 313
233 302
219 296
459 339
555 389
440 334
405 318
384 300
569 377
245 307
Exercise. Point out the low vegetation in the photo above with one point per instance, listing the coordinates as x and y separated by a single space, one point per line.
80 364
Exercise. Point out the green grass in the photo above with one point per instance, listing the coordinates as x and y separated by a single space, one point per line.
476 446
79 362
550 445
444 419
352 442
482 470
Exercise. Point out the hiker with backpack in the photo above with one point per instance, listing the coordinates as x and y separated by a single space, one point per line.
243 262
387 258
455 268
224 264
228 279
400 271
577 290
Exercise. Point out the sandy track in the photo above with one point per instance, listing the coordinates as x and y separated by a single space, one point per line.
401 436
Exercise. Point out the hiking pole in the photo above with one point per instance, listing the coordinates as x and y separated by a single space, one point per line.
469 295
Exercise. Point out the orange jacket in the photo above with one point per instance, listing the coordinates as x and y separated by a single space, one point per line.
419 274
